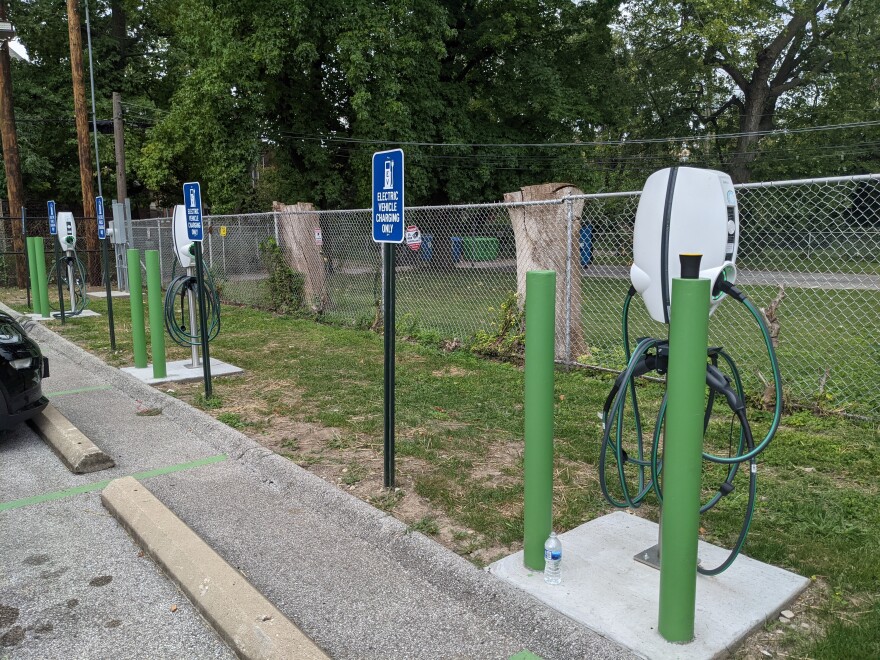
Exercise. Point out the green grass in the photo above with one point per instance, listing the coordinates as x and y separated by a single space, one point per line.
459 444
828 343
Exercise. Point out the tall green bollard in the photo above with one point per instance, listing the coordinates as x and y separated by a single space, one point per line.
136 287
538 455
42 280
156 309
683 450
32 271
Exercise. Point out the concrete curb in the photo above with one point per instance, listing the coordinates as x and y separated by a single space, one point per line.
241 615
76 451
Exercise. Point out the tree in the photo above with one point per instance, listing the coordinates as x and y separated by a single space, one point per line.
740 59
318 88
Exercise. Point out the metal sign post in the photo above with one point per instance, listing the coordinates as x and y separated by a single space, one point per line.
53 230
192 200
102 236
388 228
24 243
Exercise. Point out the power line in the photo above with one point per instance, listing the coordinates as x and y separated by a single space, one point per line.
592 143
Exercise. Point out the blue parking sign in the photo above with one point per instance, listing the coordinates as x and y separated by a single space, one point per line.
192 201
388 223
53 219
99 211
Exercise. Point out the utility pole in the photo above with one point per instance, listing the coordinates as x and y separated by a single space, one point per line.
82 139
11 160
119 142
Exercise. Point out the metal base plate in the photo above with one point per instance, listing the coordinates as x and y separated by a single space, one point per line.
649 557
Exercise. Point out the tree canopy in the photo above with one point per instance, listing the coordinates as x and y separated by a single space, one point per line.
287 99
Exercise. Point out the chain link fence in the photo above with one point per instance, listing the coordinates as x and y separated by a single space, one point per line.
12 260
812 245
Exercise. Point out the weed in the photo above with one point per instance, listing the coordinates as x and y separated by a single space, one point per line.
426 525
232 419
507 336
286 287
212 403
354 473
387 500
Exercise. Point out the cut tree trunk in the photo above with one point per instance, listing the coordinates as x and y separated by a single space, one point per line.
542 240
297 224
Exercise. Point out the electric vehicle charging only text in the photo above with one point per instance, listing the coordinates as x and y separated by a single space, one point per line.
73 272
682 211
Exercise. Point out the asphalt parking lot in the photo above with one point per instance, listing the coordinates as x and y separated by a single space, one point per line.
74 584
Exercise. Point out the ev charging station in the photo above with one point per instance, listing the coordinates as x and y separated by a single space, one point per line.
69 271
191 304
704 598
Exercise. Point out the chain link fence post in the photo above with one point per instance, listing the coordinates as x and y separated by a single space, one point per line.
569 218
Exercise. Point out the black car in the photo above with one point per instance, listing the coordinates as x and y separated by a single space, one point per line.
22 369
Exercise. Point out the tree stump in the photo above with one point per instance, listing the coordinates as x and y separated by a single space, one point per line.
542 243
297 224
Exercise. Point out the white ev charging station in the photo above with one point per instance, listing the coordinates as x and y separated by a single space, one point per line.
684 210
73 266
184 252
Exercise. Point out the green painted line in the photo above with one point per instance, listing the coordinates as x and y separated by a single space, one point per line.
96 388
98 485
525 655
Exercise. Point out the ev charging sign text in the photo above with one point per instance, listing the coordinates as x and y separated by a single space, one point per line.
388 196
192 201
53 219
99 211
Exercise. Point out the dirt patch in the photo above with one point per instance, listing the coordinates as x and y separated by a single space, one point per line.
780 633
451 371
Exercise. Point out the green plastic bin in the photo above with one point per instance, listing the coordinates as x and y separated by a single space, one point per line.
479 249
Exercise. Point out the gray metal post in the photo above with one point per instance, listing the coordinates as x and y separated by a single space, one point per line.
570 222
275 220
70 286
191 301
159 234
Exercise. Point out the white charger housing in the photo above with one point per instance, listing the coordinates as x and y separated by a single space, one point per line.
66 230
683 210
182 244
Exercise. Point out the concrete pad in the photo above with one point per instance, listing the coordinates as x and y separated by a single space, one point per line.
77 452
604 588
242 616
67 316
180 371
113 294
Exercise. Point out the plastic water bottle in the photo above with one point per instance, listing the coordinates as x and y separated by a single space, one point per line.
552 559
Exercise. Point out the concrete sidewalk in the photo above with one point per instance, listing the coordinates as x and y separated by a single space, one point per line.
351 577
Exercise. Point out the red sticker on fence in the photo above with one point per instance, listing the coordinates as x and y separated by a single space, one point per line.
319 240
413 237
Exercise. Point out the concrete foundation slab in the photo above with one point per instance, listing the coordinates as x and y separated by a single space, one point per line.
604 588
180 371
113 294
67 316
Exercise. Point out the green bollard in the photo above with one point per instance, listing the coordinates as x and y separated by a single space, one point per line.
538 455
42 280
136 287
32 270
682 456
156 309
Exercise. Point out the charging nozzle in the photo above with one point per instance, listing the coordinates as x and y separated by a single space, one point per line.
726 286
